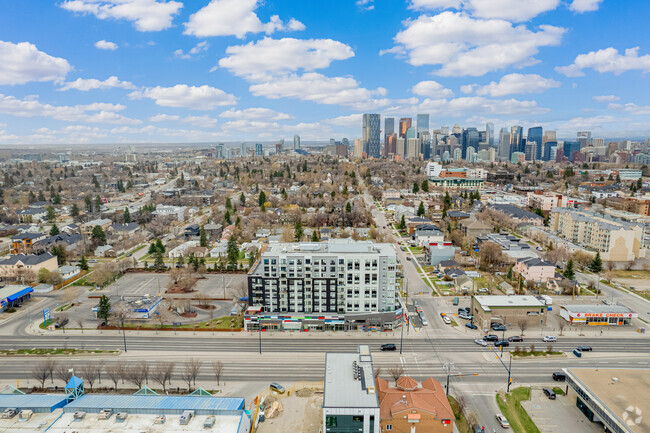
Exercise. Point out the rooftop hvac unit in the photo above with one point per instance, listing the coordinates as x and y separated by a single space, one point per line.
105 414
122 415
209 422
79 415
186 417
160 419
9 413
25 415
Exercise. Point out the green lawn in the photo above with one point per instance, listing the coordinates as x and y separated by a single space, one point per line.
462 423
515 413
558 391
216 323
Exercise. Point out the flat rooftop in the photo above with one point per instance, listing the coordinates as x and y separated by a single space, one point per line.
341 388
156 404
503 301
631 390
332 246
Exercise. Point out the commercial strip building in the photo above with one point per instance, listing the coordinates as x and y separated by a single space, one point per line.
12 295
598 315
509 310
339 276
350 401
616 240
617 398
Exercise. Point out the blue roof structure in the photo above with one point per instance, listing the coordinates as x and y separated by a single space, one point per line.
74 382
19 294
157 404
38 403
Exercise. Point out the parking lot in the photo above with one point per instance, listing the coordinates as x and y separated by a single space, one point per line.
213 285
559 415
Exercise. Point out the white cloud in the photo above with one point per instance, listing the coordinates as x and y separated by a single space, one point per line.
89 84
607 60
199 48
630 107
316 87
431 89
192 97
588 123
467 88
366 5
147 15
463 45
606 98
273 56
164 118
517 83
22 62
91 113
511 10
200 121
585 5
255 114
351 121
106 45
235 18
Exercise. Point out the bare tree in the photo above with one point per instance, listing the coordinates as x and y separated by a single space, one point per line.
217 368
100 366
41 372
629 265
51 366
187 375
80 322
114 371
63 374
195 366
396 372
89 372
562 325
377 372
63 322
162 374
532 348
523 325
549 348
610 266
123 370
137 374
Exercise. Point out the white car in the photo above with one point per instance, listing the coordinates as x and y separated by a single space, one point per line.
550 339
481 342
447 320
503 421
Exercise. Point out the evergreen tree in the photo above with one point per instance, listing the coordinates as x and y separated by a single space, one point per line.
226 217
314 236
447 200
425 186
180 261
159 246
597 264
95 182
74 212
127 216
242 199
89 203
238 221
41 196
261 199
203 237
569 273
402 223
50 215
233 252
59 251
104 309
228 203
83 264
98 203
158 263
54 230
348 207
298 232
421 211
32 197
99 235
416 188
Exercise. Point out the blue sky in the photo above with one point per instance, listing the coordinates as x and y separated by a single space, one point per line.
106 71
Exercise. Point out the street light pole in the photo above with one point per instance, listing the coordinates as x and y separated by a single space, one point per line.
259 332
509 370
124 333
401 337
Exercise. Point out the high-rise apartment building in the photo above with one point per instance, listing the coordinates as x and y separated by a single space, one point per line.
422 124
371 131
390 146
412 148
535 135
516 139
489 133
389 125
296 142
242 150
404 125
411 133
569 148
469 139
218 151
504 144
337 276
531 150
259 149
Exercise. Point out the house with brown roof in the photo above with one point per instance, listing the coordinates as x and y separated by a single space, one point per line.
411 407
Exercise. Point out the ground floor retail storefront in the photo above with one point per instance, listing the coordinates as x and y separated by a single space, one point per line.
598 315
369 322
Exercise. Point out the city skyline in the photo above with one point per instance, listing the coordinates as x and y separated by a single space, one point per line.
133 71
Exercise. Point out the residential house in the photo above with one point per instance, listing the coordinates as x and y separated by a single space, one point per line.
220 250
68 272
124 230
182 250
175 212
425 234
535 269
105 251
414 221
71 242
464 283
14 265
199 252
473 228
457 215
23 243
411 407
192 232
437 252
447 264
87 228
213 231
28 215
519 215
454 272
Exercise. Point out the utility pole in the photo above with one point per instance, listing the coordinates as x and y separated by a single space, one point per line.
123 332
259 332
401 337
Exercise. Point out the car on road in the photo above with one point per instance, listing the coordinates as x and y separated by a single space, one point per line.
276 387
491 337
402 248
548 392
584 349
550 339
498 327
503 343
559 376
389 346
515 339
93 261
503 421
470 325
408 258
607 302
477 429
480 342
447 320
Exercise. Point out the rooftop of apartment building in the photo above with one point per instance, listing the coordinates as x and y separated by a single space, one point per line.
605 221
332 246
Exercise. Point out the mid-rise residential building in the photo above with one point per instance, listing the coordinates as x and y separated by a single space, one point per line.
534 269
615 240
337 276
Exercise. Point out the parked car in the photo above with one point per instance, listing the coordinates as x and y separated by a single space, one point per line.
515 339
470 325
503 343
549 339
477 429
389 346
559 376
491 337
607 302
465 316
408 258
498 327
447 320
584 349
480 342
503 421
548 392
277 387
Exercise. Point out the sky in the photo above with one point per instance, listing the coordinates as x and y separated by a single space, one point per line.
128 71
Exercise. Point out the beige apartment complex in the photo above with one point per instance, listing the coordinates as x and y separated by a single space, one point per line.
616 240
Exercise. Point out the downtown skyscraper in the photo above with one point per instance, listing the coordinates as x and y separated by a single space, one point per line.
422 124
371 130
